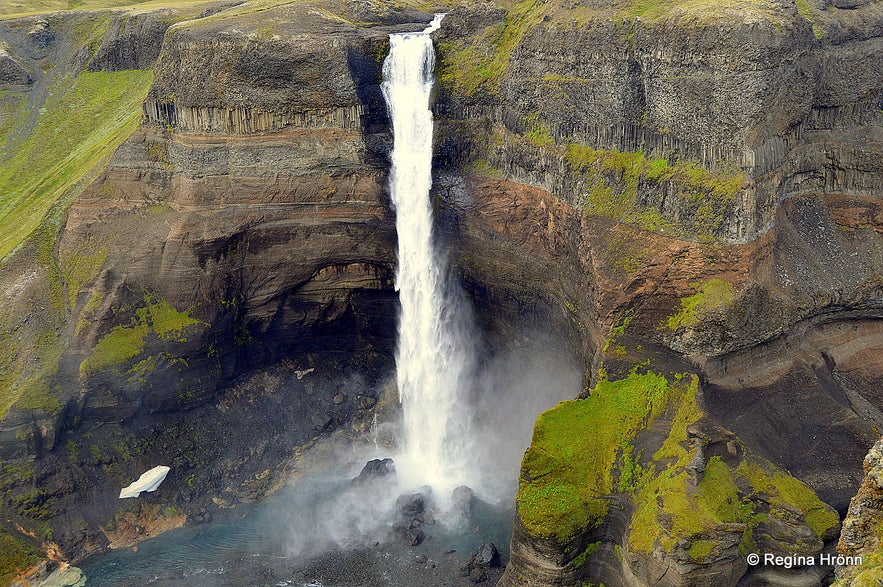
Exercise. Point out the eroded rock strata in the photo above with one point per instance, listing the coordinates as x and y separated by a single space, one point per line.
688 195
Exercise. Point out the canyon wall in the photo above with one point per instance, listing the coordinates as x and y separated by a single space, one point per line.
724 163
688 195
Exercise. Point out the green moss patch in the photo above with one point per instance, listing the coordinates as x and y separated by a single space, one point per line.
668 510
81 266
868 574
477 64
713 295
126 342
27 374
569 466
16 556
786 490
700 549
617 180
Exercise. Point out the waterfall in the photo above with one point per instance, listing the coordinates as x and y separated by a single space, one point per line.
433 360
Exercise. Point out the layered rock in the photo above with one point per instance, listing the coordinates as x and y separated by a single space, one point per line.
236 255
780 328
859 543
762 89
217 297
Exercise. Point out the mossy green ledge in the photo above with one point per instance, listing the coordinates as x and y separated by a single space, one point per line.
639 462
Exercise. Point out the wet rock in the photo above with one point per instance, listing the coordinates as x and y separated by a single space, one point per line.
478 575
338 399
479 562
375 469
411 504
417 537
487 554
463 500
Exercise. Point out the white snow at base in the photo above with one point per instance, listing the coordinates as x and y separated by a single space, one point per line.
148 481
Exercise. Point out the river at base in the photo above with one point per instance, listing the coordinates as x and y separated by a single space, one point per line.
288 540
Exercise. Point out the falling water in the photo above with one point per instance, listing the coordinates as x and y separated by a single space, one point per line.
432 359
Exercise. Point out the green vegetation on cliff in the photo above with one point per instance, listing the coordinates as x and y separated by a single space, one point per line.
670 508
16 556
82 122
126 342
625 186
569 466
867 574
584 451
476 64
784 490
714 294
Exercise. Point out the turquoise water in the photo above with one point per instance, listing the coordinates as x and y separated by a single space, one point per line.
307 534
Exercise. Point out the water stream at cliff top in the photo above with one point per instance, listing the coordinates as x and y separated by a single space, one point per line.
433 360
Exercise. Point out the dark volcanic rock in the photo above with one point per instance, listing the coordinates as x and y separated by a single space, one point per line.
41 35
479 563
487 554
132 42
412 504
376 469
463 500
12 72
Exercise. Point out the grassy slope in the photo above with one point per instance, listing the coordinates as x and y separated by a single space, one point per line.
8 7
81 124
16 555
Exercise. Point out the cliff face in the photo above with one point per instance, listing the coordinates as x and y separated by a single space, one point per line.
220 291
724 124
197 303
689 195
788 95
859 544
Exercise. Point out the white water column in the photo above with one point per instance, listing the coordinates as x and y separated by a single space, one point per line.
432 360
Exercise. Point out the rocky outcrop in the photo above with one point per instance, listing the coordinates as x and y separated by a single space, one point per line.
134 40
311 69
859 544
678 501
12 72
